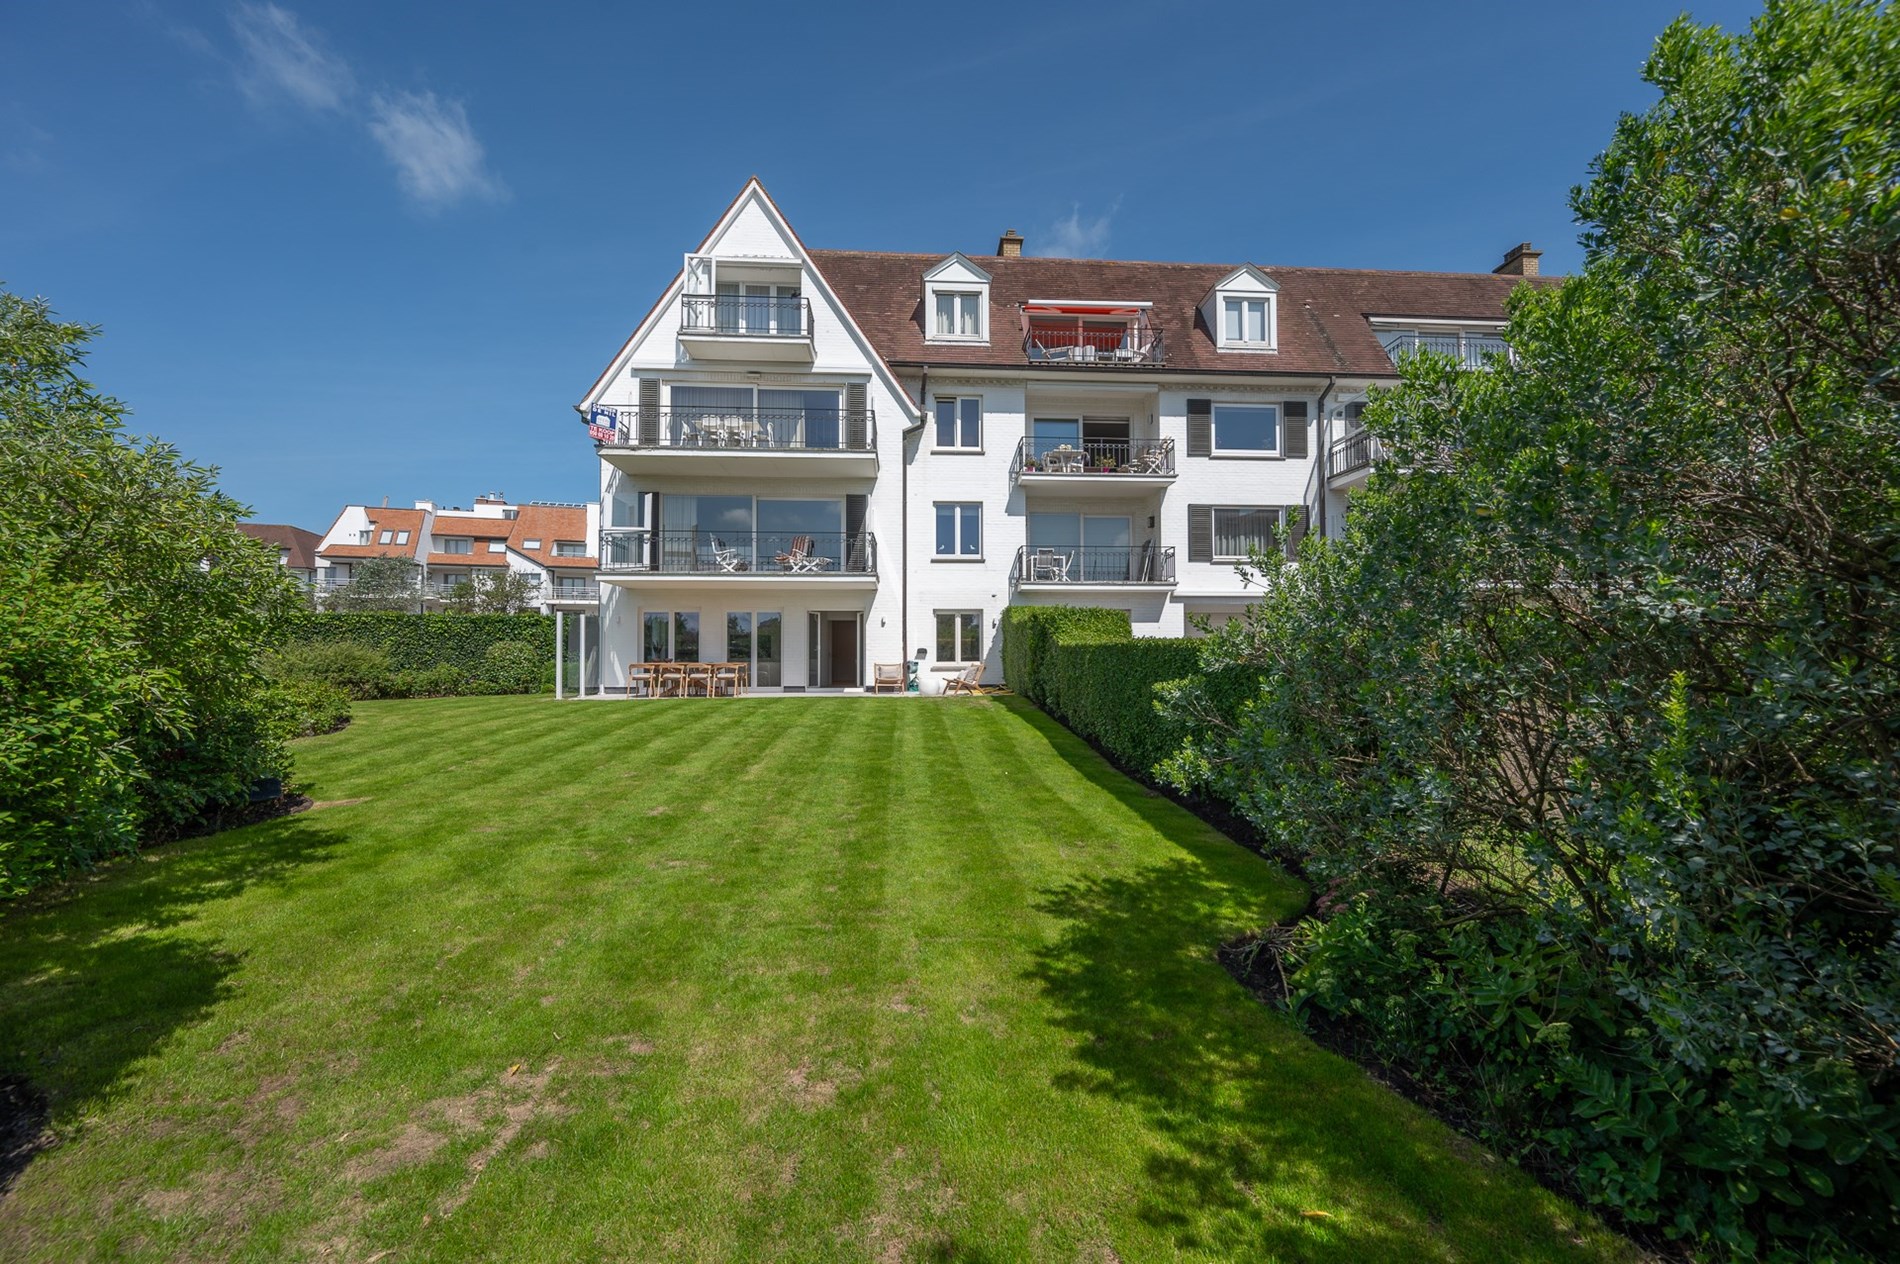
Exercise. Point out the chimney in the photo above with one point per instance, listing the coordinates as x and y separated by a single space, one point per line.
1009 245
1519 260
491 498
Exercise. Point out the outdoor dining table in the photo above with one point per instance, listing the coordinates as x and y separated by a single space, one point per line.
681 680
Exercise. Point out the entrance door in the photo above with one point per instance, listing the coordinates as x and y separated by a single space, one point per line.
842 633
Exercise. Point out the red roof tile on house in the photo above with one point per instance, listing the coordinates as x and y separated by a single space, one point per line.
545 524
1323 325
381 520
299 545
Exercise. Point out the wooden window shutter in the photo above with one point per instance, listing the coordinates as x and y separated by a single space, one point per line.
649 412
1293 446
1200 419
857 421
1200 533
857 548
1295 530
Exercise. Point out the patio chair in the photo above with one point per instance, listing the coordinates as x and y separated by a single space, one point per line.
643 677
802 558
1047 566
727 558
964 681
1156 459
728 679
887 676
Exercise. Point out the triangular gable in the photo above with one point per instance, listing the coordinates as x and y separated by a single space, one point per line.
958 268
753 198
1245 279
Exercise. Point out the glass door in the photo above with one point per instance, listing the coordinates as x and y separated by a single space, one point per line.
1053 432
1105 549
766 648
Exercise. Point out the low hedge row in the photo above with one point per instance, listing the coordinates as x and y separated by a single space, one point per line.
419 642
1087 669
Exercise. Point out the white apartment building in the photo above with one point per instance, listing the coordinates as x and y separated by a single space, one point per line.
551 544
813 461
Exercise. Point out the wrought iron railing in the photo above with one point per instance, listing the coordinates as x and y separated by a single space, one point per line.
705 552
750 315
1473 351
1352 452
1153 457
1094 345
771 429
1094 564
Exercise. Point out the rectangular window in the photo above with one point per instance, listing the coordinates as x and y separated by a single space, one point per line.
384 538
1247 428
960 422
670 637
497 546
458 545
959 315
1244 321
959 636
1243 530
655 646
531 544
569 548
686 636
402 537
959 530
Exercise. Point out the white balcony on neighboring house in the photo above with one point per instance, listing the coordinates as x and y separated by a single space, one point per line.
766 325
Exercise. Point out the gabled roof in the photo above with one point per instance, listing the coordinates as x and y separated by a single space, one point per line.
546 524
299 544
1323 311
958 262
380 520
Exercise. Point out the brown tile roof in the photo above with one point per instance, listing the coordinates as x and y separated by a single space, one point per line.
546 524
381 520
1323 311
300 544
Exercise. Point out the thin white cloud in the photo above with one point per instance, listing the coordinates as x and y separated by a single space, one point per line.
437 158
283 60
1078 238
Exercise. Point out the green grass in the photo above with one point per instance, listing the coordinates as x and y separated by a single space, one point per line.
767 979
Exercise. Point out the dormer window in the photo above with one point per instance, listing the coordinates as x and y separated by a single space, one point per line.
1243 311
956 302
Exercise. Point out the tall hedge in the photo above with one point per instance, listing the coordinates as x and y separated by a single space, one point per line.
1086 668
418 641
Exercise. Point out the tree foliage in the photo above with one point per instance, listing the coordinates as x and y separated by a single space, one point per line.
133 610
495 592
1589 725
379 583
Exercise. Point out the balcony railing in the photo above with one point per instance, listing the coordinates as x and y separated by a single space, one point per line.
434 590
1473 351
702 552
1352 452
746 315
1094 343
1151 457
770 429
1094 564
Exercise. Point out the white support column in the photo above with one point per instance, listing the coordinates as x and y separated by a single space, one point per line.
582 620
560 643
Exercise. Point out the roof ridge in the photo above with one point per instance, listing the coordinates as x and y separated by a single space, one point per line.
1172 263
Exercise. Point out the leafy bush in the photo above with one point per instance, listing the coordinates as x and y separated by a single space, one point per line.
359 670
1590 727
514 667
428 640
445 680
309 707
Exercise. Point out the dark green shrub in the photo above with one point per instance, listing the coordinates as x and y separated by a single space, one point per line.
428 640
444 680
310 707
359 670
513 667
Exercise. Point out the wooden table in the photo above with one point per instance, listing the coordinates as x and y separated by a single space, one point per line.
686 680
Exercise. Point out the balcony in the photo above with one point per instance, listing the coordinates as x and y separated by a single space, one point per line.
1073 568
1472 351
1091 335
1352 455
695 557
1093 467
746 327
742 442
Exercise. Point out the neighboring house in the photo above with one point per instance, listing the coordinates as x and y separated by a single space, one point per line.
817 460
296 547
550 543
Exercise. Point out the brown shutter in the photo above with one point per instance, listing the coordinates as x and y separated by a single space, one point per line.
857 548
1200 533
649 412
857 422
1293 446
1295 530
1200 419
653 534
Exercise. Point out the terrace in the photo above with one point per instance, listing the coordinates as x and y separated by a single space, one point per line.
1096 334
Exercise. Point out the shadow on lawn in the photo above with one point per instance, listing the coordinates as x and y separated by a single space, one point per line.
95 974
1247 1105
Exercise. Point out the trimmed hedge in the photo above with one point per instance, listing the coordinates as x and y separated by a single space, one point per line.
418 642
1087 669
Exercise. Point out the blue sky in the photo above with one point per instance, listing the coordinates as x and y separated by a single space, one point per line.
354 250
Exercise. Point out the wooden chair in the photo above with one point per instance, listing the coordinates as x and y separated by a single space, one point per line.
641 676
887 676
728 679
965 681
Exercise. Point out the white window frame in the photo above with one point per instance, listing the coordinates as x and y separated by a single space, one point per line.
497 546
570 548
1255 454
402 537
963 621
1272 329
1279 528
957 555
978 298
531 544
960 445
468 543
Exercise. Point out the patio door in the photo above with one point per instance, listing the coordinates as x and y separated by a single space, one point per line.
832 653
669 636
1052 432
753 638
1105 549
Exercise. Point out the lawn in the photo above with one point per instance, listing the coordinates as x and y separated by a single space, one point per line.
802 979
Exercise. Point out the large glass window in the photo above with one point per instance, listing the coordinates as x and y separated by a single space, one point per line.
1247 428
799 419
960 422
686 636
1243 530
768 647
1046 433
458 546
959 314
959 636
783 522
656 642
959 529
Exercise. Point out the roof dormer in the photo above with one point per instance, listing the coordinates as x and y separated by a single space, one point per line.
956 302
1243 311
